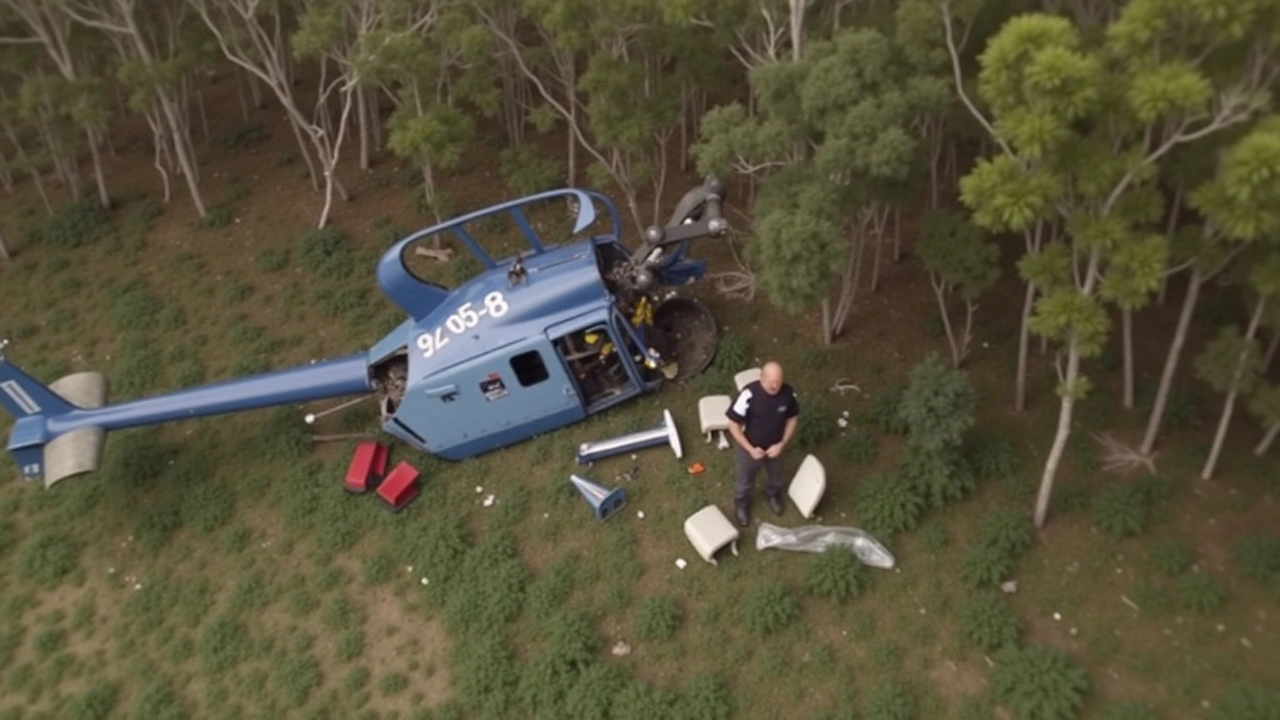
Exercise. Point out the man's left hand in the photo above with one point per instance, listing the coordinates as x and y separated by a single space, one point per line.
774 451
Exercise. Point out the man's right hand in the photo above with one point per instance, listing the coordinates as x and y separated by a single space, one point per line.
756 453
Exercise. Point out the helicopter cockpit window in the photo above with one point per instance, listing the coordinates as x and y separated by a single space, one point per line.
529 368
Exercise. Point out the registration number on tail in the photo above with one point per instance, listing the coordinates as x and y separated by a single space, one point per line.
461 320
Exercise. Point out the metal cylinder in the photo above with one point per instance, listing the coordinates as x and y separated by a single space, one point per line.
663 434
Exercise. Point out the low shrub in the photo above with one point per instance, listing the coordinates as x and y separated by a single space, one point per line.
835 574
993 458
1202 593
1171 557
658 618
887 505
1039 683
890 701
988 621
770 607
1120 510
860 447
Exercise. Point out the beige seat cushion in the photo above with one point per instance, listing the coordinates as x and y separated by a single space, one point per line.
808 485
709 531
746 377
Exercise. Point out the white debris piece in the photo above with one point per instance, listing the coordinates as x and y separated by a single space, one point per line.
1009 586
426 581
489 501
842 422
681 563
640 514
479 489
1057 616
621 648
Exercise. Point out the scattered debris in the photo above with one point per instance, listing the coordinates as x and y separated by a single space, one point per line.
843 386
681 563
489 501
1057 616
479 489
437 254
1118 457
1074 632
1130 603
621 648
426 581
1009 586
640 514
842 422
1243 641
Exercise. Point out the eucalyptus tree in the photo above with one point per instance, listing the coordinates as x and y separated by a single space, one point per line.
79 96
1081 127
252 35
962 261
155 57
1265 404
1232 363
1238 210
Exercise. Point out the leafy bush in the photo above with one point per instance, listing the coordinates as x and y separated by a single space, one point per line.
489 589
732 353
941 475
705 698
1130 710
1120 510
273 260
1006 531
887 505
1257 557
989 622
890 701
1172 557
526 171
485 675
835 574
658 618
816 425
993 458
547 593
393 684
938 405
328 253
860 447
350 645
770 607
96 703
1202 593
985 566
77 224
299 675
241 136
1247 702
49 557
224 643
216 218
1039 683
885 411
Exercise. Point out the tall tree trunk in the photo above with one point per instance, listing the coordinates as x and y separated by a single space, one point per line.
1024 337
897 233
306 155
182 150
571 97
1270 355
104 197
1267 439
1171 361
1060 437
362 122
6 176
204 116
375 119
255 90
1232 392
938 287
4 249
1126 322
878 223
244 103
826 321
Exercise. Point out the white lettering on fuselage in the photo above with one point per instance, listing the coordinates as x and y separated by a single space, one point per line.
462 319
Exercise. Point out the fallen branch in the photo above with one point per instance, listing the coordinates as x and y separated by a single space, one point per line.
439 254
1130 603
1118 457
843 386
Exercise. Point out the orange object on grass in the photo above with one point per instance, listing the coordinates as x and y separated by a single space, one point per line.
696 468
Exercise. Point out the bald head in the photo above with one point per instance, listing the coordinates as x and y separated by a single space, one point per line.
771 377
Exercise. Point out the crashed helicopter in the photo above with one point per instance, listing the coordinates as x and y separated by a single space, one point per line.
534 342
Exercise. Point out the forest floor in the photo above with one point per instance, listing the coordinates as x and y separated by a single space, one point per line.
215 568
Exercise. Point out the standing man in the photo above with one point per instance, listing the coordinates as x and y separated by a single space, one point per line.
762 422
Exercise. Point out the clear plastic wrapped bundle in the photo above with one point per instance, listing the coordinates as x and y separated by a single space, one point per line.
816 538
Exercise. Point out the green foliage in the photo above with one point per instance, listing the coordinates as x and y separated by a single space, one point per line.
159 701
393 684
1172 557
485 675
887 504
815 426
835 574
957 253
885 412
1202 593
1120 510
1039 683
48 557
705 698
223 644
489 590
1230 361
993 458
272 260
1005 531
1257 558
95 703
890 701
77 224
216 218
860 447
241 137
1247 702
328 253
657 618
299 676
985 566
796 243
770 606
526 171
941 475
938 405
988 621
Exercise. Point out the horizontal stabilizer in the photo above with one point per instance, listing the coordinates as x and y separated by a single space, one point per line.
79 451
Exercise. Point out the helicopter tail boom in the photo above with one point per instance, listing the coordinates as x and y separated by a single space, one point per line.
60 430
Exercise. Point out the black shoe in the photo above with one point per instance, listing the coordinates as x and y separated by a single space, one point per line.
744 517
775 504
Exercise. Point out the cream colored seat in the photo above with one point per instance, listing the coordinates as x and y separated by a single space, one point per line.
712 417
709 531
746 377
808 485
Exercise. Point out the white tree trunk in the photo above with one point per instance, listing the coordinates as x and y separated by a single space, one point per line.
1060 437
1232 392
1024 338
4 249
1267 439
104 197
1270 356
1171 361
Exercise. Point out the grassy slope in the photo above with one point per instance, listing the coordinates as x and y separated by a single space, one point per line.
215 568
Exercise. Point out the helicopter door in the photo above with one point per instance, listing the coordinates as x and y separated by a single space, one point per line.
598 364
